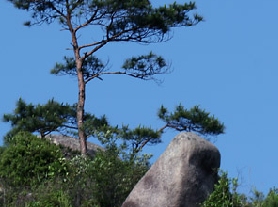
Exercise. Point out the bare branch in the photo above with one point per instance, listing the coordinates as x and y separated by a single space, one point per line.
99 45
91 19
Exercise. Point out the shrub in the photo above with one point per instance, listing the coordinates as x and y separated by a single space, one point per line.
224 194
29 160
272 198
114 178
50 196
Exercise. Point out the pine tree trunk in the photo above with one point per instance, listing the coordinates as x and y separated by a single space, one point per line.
81 108
81 91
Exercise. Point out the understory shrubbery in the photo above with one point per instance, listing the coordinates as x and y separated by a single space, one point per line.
225 194
28 161
34 173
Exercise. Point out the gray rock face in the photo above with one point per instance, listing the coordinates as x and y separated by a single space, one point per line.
183 176
73 143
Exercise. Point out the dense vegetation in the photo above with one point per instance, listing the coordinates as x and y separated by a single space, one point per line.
34 172
37 173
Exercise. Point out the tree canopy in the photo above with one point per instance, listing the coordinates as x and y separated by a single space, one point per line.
46 119
194 119
42 119
56 117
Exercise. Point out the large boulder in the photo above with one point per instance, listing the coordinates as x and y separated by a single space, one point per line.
183 176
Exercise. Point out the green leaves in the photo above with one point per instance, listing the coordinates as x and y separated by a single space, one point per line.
139 137
145 66
271 199
42 11
175 15
225 194
29 160
114 178
120 20
147 24
49 118
92 67
222 196
42 119
194 119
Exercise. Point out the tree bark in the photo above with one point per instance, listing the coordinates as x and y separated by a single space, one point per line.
81 88
80 107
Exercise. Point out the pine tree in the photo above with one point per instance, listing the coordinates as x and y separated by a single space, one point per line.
121 21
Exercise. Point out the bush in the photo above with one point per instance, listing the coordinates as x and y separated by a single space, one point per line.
114 178
272 198
51 194
34 173
224 194
29 160
102 181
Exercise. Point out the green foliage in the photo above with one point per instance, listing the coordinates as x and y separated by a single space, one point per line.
48 118
224 194
138 137
114 178
50 198
29 160
117 169
108 178
61 118
50 193
257 199
80 181
105 180
92 68
143 67
271 199
120 20
194 119
42 119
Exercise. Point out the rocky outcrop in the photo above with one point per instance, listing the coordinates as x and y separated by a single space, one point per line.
73 143
183 176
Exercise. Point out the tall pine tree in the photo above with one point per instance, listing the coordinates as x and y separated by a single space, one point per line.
121 21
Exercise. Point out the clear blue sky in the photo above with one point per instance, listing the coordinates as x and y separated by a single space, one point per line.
227 65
